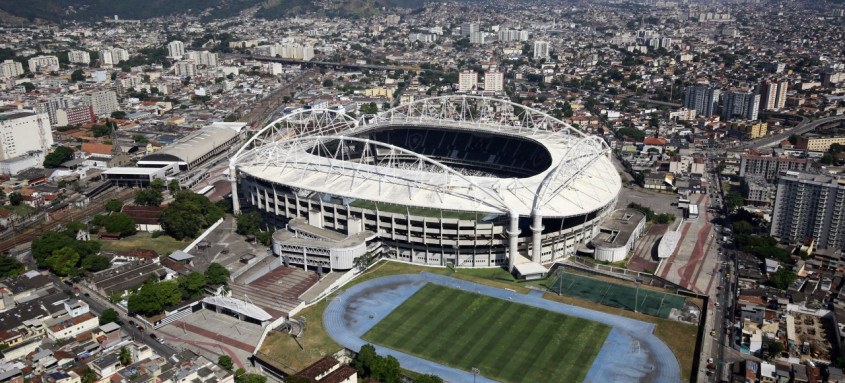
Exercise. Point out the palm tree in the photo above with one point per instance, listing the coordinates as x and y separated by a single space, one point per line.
124 356
88 375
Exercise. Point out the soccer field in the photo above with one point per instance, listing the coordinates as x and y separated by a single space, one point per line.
506 341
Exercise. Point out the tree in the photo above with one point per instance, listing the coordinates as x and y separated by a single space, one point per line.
63 261
782 278
102 130
225 361
364 360
2 197
151 195
192 285
216 274
108 316
118 114
742 227
248 223
114 205
153 298
15 199
173 186
328 83
124 356
58 156
10 267
88 375
188 214
250 378
95 263
775 347
429 379
77 75
734 201
45 246
120 223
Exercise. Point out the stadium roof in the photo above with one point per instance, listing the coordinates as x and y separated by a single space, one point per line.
581 180
239 306
197 144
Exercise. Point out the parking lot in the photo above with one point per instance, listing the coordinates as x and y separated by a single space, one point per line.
659 202
226 247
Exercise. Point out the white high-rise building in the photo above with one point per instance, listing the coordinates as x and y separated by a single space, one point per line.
185 68
494 81
467 81
810 205
202 58
468 28
103 102
702 98
773 95
176 49
79 57
744 105
9 69
44 63
22 131
541 50
112 56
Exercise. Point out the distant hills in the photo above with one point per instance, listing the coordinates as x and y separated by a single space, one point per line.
63 10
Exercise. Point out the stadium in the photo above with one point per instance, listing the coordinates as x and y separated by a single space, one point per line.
466 181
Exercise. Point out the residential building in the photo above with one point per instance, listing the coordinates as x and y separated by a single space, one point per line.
769 167
687 165
79 57
810 206
43 63
176 49
467 29
77 115
9 69
702 98
185 68
749 129
206 58
773 95
103 102
743 105
683 114
467 81
494 81
22 131
756 190
815 143
541 50
51 106
112 56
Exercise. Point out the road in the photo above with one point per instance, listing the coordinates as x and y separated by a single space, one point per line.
803 127
98 304
347 65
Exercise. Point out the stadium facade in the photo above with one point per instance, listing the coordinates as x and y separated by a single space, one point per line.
462 180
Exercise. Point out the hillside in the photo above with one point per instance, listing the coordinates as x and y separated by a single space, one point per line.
59 10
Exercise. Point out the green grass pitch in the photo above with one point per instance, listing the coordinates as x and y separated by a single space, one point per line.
506 341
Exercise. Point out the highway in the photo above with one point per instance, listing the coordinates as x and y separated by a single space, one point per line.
327 64
803 127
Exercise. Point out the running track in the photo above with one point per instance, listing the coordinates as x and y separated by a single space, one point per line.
631 352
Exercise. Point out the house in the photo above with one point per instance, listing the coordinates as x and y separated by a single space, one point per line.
329 370
147 218
70 327
100 150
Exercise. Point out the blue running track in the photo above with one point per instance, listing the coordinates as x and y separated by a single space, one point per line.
631 352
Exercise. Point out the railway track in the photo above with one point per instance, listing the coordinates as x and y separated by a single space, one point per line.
34 231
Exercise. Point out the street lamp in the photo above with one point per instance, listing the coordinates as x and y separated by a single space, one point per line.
475 373
637 299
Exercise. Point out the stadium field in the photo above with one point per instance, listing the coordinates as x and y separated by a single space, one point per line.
506 341
616 295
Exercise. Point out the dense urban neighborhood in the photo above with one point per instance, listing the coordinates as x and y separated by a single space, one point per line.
422 191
